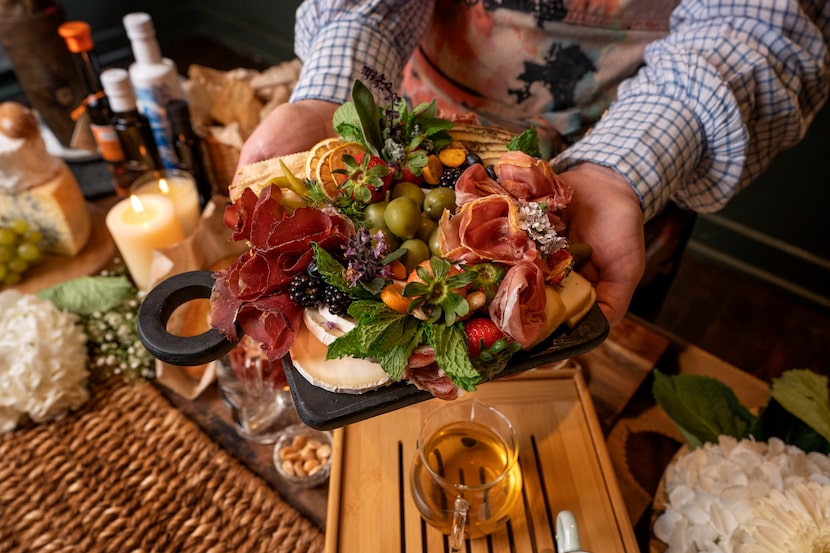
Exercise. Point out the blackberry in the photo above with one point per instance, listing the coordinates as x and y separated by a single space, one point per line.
306 291
337 300
450 176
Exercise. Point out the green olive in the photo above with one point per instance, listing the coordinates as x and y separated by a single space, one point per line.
373 215
403 217
392 241
437 200
410 190
426 228
416 252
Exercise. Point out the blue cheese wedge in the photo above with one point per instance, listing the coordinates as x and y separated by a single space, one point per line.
57 208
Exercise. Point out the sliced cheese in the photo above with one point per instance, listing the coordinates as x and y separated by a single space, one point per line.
578 295
346 375
56 208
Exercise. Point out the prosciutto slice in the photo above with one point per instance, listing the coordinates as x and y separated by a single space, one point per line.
486 229
433 379
518 308
531 179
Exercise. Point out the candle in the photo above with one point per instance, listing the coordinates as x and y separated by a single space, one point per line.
141 225
177 185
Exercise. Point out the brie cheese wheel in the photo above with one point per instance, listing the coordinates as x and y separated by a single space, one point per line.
325 325
346 375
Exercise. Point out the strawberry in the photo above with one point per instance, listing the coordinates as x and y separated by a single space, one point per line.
482 333
490 348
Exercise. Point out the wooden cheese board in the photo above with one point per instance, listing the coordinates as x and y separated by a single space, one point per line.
98 252
564 460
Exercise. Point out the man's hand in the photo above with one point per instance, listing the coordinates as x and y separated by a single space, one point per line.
605 213
289 129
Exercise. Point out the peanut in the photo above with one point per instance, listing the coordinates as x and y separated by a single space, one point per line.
304 456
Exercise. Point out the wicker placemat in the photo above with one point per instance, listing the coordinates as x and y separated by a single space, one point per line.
130 473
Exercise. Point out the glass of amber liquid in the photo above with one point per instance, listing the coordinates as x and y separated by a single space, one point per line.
466 479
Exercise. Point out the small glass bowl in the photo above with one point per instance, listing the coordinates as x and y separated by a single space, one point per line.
302 455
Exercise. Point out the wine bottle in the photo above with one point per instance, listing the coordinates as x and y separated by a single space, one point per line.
78 38
188 148
156 82
132 128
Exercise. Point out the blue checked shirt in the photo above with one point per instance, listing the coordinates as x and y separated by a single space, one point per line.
731 84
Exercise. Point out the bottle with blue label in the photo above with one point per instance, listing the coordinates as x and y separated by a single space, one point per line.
156 83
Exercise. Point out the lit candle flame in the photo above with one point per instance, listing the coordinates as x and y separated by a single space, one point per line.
138 207
164 187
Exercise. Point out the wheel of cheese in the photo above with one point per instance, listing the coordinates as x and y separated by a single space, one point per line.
346 375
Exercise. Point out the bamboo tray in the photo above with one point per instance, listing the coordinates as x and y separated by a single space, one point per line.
565 465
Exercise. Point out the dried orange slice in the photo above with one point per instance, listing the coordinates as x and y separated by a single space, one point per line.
315 155
333 160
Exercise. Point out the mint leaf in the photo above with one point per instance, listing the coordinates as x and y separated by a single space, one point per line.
452 356
527 142
702 408
380 333
89 294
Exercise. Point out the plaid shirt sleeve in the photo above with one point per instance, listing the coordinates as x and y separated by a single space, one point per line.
733 84
335 39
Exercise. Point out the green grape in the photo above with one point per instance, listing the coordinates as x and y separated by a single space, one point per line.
12 278
33 236
20 226
18 265
29 251
7 237
6 253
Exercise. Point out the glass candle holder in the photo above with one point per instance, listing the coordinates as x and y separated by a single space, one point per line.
180 187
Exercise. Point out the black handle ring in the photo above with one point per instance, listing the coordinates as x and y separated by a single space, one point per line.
156 309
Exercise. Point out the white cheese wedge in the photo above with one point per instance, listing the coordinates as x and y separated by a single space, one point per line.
346 375
57 208
578 295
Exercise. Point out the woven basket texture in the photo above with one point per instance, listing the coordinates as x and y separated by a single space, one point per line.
130 473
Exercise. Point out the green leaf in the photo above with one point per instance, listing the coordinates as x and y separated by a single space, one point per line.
380 333
367 111
702 408
346 123
89 294
527 142
776 421
805 395
452 356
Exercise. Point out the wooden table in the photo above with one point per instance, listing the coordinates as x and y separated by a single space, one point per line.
618 376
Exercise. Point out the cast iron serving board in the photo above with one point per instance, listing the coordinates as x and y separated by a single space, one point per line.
317 407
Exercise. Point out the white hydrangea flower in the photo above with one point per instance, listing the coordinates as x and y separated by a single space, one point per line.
714 493
43 360
797 519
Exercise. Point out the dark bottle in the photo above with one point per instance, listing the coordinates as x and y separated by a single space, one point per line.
78 38
133 129
188 147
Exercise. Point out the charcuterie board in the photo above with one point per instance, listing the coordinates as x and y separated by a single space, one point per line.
325 410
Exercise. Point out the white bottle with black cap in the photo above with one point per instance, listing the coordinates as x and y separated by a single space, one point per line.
155 80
